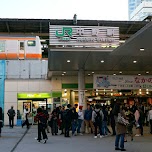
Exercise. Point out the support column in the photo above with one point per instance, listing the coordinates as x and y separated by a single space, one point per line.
81 87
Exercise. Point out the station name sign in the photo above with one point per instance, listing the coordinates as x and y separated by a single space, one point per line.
84 35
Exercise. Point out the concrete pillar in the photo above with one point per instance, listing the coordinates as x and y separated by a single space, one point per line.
72 97
81 87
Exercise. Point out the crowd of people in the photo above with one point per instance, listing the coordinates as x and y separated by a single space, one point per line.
94 119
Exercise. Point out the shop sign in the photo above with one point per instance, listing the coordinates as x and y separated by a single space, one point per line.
122 82
33 95
84 35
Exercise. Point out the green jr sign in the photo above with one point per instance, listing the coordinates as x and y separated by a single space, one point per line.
66 31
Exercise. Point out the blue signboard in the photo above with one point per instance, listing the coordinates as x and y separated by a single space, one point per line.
2 79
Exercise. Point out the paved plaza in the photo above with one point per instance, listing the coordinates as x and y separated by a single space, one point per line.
18 140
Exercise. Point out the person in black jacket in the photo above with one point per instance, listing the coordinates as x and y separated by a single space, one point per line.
1 120
67 120
11 114
74 119
42 120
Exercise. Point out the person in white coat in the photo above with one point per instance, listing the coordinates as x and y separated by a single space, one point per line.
80 119
150 118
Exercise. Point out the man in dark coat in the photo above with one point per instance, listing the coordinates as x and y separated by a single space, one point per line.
11 114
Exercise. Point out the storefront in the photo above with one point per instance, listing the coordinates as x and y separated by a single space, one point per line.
32 101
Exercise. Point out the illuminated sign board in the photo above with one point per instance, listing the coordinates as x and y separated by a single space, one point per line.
84 36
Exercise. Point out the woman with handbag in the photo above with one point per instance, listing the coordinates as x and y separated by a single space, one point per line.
120 130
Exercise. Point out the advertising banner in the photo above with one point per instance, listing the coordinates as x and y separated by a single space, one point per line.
122 82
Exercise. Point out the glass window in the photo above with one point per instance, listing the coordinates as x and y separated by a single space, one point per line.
2 46
31 43
21 45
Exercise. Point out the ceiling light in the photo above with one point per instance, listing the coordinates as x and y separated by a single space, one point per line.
120 72
147 72
134 61
102 61
139 74
142 49
89 74
92 72
64 72
68 61
114 74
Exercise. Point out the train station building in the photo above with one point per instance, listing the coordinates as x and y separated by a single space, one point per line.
87 61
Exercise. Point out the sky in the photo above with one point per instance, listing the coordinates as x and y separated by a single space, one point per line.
65 9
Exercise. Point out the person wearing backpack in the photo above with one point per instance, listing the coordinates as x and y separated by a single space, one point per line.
97 118
11 114
42 120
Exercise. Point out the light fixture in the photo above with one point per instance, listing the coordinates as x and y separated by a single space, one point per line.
147 72
139 74
114 74
139 89
62 73
92 72
146 89
142 49
120 72
102 61
147 92
89 74
68 61
134 61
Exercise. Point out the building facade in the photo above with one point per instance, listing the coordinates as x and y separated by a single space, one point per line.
132 4
141 11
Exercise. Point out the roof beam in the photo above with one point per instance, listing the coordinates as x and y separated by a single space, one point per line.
7 26
129 28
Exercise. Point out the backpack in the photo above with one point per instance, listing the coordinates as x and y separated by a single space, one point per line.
66 115
98 117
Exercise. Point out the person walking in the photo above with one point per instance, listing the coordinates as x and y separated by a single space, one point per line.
26 114
97 118
150 119
47 116
42 120
11 114
1 120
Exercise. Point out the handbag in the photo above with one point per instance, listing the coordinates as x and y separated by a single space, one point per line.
121 120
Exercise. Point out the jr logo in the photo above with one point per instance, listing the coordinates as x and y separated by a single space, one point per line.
65 31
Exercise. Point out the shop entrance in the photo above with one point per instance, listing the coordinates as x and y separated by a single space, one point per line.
32 104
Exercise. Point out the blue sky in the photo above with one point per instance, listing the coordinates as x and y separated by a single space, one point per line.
65 9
